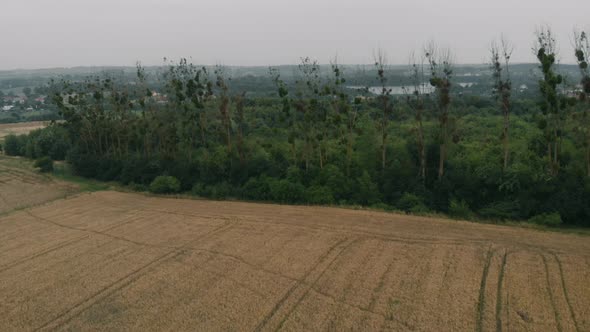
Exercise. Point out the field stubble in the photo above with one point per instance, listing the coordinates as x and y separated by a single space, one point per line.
120 261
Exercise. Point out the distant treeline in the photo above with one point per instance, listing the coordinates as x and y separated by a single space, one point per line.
432 149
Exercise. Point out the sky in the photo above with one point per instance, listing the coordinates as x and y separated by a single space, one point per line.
68 33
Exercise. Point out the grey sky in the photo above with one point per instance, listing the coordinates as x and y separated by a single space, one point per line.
64 33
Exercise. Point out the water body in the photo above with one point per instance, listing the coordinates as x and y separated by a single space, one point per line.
395 89
400 90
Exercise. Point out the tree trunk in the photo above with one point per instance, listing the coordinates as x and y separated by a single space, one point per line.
441 160
202 126
349 151
421 147
550 155
555 153
443 146
307 153
506 138
383 138
294 152
321 157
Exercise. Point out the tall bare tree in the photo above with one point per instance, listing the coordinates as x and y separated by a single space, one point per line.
441 72
415 95
240 127
384 101
342 111
502 88
224 106
189 89
308 104
287 115
545 48
582 52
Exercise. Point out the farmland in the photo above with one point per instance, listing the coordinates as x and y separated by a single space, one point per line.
19 128
123 261
21 186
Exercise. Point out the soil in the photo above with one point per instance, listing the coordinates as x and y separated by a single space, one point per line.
123 261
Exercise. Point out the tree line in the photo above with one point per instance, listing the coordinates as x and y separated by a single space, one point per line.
321 142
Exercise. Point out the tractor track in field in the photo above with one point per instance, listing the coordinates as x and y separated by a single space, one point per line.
107 260
565 291
345 242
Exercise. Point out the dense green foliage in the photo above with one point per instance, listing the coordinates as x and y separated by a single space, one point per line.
316 142
547 219
44 164
165 184
50 142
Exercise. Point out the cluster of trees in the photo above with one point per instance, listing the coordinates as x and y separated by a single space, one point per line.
320 142
53 142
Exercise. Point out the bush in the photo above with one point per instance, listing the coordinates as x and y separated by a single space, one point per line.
44 164
256 189
220 191
411 203
137 186
368 192
381 206
165 184
319 195
460 209
83 164
332 177
547 219
12 145
199 189
284 191
501 210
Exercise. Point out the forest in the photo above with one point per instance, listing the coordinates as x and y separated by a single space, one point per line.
328 136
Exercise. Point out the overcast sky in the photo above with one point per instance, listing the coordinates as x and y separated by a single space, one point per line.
65 33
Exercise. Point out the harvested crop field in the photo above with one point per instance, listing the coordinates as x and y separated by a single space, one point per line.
121 261
19 128
21 186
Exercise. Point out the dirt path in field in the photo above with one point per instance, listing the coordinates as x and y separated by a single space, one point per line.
115 261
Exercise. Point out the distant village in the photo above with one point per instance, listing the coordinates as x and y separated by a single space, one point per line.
22 103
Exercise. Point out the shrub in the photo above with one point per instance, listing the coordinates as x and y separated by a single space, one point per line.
220 191
12 145
199 189
165 184
83 164
332 177
294 174
257 189
547 219
44 164
216 191
285 191
368 192
137 186
381 206
411 203
460 209
319 195
501 210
